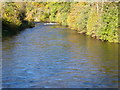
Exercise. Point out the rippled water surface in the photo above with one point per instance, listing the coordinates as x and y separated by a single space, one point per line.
53 56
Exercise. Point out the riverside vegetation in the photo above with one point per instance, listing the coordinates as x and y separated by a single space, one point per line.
98 20
13 18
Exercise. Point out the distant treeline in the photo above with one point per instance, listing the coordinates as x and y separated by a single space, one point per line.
99 20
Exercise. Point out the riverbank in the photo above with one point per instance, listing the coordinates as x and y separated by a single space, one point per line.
8 30
13 18
98 20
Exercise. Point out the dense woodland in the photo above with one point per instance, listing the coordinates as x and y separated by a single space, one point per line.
99 20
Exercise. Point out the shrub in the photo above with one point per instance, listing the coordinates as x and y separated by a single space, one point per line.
109 30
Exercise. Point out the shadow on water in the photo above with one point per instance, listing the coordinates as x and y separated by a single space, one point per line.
53 56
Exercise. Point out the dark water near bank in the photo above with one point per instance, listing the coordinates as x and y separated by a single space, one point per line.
52 56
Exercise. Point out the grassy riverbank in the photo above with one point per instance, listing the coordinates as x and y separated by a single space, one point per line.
98 20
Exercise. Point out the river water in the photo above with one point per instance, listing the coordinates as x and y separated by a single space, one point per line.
53 56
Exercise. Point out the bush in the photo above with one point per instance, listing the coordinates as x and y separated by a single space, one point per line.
13 17
77 19
109 30
94 22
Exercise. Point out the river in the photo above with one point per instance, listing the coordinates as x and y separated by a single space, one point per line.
53 56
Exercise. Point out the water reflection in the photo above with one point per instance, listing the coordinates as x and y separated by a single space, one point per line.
50 56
